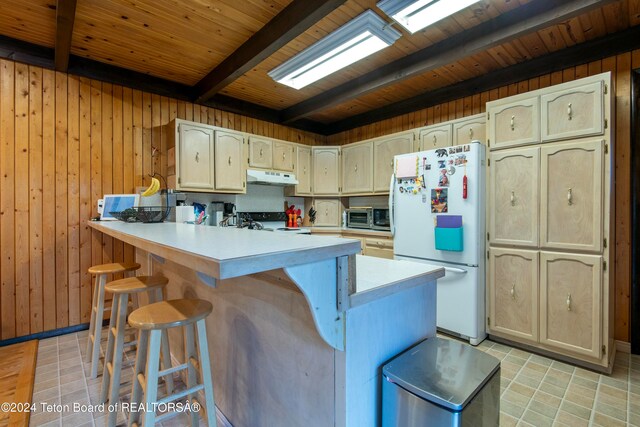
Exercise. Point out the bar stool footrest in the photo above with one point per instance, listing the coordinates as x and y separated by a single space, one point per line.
181 394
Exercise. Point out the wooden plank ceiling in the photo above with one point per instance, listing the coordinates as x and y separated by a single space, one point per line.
183 41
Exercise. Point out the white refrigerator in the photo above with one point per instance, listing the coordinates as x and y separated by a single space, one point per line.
445 188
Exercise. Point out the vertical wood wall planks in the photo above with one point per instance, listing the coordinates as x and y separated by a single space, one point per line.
62 276
86 206
35 199
49 199
96 166
7 204
73 197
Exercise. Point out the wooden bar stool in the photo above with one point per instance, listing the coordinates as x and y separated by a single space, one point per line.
152 320
121 290
97 308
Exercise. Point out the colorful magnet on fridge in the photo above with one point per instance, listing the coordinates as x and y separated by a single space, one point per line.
441 152
443 179
467 148
442 164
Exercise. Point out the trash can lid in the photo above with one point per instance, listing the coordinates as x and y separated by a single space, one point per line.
442 371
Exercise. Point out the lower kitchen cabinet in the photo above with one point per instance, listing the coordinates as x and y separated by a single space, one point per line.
570 302
513 293
328 212
378 247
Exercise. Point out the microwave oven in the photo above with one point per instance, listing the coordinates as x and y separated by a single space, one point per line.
381 219
360 217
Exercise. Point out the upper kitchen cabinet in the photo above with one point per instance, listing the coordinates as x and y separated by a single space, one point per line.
229 171
357 168
260 152
572 196
283 156
574 112
436 136
384 150
326 171
469 129
514 122
513 199
194 156
303 170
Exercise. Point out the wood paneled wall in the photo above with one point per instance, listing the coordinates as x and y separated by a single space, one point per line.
620 67
64 142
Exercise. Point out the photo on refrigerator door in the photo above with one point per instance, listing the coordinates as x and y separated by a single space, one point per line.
439 200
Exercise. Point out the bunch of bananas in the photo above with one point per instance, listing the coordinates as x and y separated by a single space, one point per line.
153 188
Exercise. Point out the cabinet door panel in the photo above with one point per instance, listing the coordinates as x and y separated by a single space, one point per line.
513 293
570 302
283 156
470 129
383 152
513 205
571 205
195 154
573 113
435 137
260 153
230 174
515 123
357 176
326 171
303 170
328 212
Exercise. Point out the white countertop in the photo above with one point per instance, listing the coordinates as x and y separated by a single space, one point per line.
378 277
225 252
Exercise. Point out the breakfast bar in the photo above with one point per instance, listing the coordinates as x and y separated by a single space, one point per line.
300 325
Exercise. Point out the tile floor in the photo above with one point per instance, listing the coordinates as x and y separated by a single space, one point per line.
535 391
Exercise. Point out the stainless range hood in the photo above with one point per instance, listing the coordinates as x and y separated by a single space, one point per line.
270 177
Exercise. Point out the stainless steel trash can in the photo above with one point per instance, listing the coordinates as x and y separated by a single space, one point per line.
441 382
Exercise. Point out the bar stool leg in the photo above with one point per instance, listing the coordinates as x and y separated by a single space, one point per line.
189 357
97 326
106 376
116 364
166 354
141 360
205 370
151 377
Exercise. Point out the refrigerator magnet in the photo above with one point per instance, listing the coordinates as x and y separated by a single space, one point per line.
467 148
442 164
443 179
428 167
441 152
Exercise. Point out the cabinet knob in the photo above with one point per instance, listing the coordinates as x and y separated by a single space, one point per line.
513 198
197 156
569 197
283 156
304 170
391 164
569 111
513 291
326 212
261 152
568 302
513 122
325 171
229 160
355 168
470 134
435 140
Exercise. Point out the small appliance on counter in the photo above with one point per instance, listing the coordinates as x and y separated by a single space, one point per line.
369 218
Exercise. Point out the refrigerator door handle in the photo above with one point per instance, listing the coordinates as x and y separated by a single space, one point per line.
455 270
391 191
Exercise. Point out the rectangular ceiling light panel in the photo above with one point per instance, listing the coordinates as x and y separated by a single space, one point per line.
415 15
357 39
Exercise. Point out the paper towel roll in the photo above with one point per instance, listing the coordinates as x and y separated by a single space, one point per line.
184 214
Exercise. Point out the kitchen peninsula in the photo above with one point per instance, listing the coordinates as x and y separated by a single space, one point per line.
301 325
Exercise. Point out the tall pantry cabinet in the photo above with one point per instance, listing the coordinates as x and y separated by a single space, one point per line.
551 221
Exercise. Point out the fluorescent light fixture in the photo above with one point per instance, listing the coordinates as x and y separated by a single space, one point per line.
357 39
415 15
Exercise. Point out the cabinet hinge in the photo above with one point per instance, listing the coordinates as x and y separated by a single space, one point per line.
606 89
487 236
604 265
604 349
488 321
606 124
488 162
487 254
244 184
606 148
605 243
178 180
487 116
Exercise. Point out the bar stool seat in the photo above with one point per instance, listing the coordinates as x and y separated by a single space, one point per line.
170 314
153 321
121 290
97 308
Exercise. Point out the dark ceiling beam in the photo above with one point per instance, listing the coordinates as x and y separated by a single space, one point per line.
292 21
65 17
523 20
29 53
583 53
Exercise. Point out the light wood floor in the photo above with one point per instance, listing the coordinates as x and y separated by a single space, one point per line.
17 372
